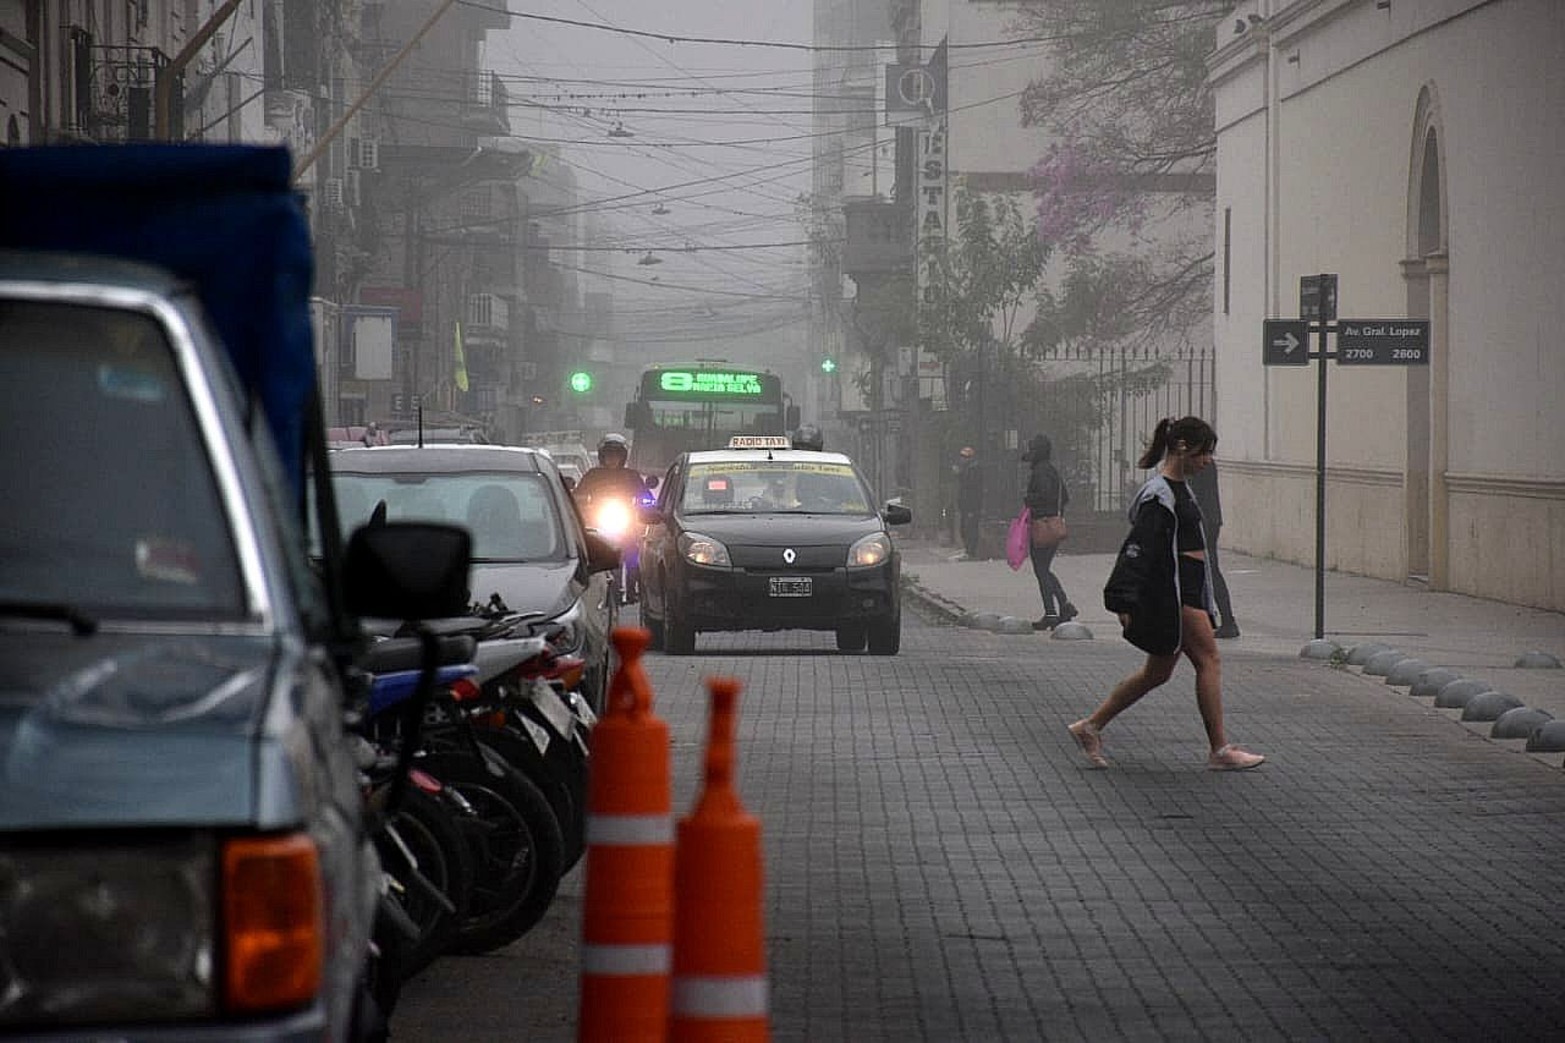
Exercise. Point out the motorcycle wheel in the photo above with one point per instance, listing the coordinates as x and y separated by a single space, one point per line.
566 794
428 827
850 637
520 855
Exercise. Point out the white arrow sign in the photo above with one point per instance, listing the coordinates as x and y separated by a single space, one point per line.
1287 342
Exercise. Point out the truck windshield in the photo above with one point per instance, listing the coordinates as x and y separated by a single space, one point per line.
111 505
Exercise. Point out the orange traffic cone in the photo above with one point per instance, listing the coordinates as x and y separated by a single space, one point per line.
628 910
719 988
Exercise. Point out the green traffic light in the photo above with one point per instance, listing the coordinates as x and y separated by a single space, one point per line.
581 382
828 365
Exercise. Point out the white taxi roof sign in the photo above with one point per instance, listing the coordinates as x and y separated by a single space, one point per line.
759 442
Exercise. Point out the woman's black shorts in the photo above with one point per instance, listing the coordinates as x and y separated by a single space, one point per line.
1192 581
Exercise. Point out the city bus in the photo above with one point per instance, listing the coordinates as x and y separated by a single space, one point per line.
701 405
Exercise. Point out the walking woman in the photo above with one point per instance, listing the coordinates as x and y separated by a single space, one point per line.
1160 590
1046 497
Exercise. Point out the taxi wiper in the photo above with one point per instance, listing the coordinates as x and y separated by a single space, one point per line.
81 623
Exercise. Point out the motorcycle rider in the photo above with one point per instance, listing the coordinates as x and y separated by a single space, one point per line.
604 484
611 477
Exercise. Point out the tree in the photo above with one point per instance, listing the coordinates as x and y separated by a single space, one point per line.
979 283
1126 98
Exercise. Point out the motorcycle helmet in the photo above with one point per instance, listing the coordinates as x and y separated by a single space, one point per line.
808 436
613 444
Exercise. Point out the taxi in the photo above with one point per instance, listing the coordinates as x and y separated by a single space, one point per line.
762 536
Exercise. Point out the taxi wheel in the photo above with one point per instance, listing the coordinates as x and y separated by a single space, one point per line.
885 635
679 637
850 637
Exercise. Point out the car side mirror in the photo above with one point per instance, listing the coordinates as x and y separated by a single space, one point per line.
407 570
896 514
570 483
602 556
649 514
652 481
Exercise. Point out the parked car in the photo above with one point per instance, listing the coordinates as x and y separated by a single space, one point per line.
531 549
765 537
183 848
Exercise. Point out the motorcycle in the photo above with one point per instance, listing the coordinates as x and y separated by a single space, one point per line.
616 518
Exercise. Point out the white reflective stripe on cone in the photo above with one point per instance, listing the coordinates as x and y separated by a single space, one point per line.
720 997
627 959
630 830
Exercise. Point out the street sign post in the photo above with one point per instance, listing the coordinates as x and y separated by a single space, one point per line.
1360 342
1383 342
1318 298
1285 342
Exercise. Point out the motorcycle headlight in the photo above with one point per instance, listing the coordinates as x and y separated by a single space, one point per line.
104 935
873 549
612 519
703 550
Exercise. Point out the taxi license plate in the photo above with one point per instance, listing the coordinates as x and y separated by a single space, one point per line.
789 586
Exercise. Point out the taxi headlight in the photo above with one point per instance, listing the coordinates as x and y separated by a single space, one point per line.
874 549
703 550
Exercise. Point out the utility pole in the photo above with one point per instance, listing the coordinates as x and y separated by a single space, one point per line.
380 78
163 89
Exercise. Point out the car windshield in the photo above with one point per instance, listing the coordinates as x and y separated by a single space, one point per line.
113 508
773 487
511 515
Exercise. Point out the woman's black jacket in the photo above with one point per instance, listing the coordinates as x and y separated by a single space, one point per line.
1046 492
1144 583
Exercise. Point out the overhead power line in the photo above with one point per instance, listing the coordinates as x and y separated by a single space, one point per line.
779 44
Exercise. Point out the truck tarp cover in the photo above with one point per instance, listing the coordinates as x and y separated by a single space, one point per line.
222 216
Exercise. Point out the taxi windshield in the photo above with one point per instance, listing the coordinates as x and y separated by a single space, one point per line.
774 487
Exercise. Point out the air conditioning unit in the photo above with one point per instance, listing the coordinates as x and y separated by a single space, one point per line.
332 193
351 189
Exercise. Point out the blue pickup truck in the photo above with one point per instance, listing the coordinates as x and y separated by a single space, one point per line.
183 848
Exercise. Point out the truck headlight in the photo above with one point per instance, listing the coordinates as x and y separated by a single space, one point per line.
703 550
873 549
95 934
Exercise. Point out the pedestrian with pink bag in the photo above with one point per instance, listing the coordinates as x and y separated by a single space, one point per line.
1046 497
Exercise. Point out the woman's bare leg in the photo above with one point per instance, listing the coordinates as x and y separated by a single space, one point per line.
1156 670
1200 647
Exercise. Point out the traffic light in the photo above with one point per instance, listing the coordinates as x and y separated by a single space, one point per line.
580 382
828 365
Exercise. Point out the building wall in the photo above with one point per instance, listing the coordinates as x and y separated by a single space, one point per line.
1478 503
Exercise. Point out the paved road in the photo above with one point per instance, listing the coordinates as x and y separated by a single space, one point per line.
942 865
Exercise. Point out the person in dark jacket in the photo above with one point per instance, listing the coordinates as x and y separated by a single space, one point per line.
1161 592
969 499
1203 484
1047 496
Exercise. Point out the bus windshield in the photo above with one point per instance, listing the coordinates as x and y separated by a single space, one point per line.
687 408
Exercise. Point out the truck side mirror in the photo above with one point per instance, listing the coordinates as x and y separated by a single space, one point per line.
408 570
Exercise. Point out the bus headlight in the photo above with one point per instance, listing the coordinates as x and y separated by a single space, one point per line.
874 549
703 550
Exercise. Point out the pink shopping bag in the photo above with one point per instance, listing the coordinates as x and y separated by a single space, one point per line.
1018 540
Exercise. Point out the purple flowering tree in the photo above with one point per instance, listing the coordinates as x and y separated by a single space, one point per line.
1126 191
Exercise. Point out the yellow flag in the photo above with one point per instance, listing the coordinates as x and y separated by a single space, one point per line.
461 360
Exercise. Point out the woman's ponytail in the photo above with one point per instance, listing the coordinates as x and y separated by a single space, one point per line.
1158 445
1191 430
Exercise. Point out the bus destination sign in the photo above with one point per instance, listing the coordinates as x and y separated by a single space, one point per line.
704 382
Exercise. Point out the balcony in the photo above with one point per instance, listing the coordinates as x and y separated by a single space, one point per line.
486 111
488 319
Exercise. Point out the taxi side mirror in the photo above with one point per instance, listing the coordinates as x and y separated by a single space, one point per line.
896 514
649 514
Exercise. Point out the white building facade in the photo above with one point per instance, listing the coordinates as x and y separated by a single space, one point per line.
1414 150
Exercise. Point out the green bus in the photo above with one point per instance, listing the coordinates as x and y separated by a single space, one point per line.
701 405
